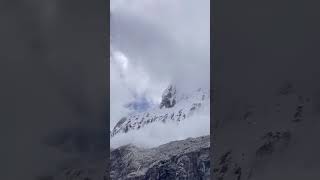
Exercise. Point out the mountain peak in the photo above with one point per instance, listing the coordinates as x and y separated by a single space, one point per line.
175 106
168 97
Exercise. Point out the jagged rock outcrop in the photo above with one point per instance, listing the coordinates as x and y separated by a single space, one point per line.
168 97
181 160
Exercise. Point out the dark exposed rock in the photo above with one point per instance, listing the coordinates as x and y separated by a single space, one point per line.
187 159
168 97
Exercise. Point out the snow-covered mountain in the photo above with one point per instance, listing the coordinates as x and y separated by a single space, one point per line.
186 159
175 106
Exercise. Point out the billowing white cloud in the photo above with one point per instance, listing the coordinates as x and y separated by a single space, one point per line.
159 133
127 82
155 43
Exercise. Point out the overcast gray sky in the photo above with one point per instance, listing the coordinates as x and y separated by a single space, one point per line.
154 43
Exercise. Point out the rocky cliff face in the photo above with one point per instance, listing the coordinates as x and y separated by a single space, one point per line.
168 97
181 160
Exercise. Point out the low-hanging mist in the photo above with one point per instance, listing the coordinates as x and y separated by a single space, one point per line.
159 133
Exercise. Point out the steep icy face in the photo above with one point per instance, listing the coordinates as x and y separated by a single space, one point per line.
174 107
186 159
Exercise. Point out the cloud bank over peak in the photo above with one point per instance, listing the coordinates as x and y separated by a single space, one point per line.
154 44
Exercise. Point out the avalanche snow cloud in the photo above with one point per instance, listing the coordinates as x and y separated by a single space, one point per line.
154 44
